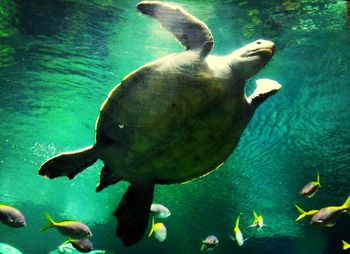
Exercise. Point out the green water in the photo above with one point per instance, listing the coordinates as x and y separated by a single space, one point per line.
60 58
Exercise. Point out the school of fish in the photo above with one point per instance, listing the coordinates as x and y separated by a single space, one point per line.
78 234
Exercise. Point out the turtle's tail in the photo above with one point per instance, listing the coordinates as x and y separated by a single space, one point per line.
69 164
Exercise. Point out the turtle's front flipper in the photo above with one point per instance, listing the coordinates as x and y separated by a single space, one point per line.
264 89
189 31
133 213
69 164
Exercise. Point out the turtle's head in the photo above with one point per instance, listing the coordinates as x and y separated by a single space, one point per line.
251 58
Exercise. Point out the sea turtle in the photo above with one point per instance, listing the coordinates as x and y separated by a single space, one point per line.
171 120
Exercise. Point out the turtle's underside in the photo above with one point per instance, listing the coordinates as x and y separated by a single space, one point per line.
172 120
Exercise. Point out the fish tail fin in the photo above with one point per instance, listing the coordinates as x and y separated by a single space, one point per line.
152 228
346 204
318 179
300 217
51 222
301 211
69 240
237 222
345 245
255 215
256 218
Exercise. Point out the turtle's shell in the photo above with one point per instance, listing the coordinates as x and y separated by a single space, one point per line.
171 120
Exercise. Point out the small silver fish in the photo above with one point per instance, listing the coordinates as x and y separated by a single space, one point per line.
81 245
210 243
327 216
159 231
258 221
11 216
160 211
310 189
71 228
238 236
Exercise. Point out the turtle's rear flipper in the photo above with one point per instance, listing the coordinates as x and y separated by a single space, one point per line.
106 179
69 164
133 213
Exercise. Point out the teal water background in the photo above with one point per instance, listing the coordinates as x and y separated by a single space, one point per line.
60 58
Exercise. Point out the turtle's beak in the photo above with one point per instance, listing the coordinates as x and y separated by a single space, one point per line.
267 52
264 49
